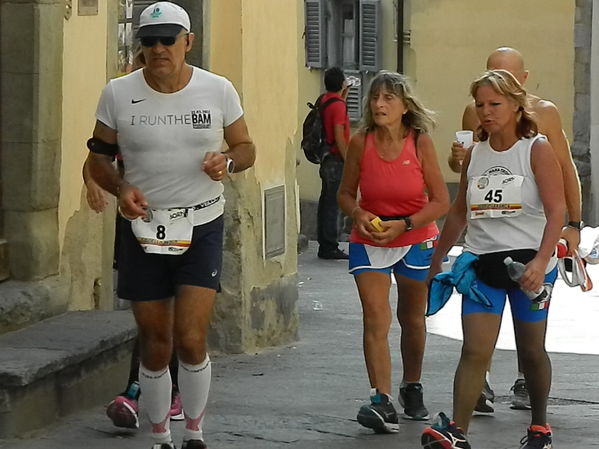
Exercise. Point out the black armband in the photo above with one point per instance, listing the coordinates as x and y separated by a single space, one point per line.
100 147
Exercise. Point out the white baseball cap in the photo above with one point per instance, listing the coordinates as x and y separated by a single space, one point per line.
163 19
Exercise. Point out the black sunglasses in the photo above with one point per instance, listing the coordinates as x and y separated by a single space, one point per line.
150 41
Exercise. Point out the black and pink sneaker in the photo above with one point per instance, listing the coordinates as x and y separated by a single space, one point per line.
122 411
537 437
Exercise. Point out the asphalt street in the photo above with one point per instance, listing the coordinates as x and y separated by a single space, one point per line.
307 394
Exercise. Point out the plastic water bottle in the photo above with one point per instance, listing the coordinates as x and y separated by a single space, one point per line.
133 391
515 270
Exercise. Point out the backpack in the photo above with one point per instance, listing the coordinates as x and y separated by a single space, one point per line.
314 142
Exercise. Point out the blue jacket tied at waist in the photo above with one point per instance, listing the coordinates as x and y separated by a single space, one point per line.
463 277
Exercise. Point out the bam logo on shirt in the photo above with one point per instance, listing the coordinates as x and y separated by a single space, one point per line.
201 119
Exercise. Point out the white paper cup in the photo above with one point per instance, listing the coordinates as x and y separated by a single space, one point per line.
353 81
466 138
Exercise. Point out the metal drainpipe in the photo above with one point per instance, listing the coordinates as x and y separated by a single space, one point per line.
400 15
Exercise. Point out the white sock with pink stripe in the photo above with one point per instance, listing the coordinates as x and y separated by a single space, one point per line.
194 385
155 397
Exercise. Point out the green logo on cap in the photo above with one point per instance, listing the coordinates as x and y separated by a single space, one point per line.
156 13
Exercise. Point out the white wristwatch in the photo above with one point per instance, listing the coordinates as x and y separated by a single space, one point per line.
230 163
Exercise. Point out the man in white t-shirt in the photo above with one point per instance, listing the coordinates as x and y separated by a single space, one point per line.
169 120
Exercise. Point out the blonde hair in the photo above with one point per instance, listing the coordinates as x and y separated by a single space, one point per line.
417 117
506 85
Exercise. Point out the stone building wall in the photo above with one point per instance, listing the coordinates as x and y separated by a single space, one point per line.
580 145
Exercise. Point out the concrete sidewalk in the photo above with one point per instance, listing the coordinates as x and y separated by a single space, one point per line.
307 395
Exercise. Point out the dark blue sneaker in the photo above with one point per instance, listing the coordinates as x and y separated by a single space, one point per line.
485 403
410 398
444 435
379 415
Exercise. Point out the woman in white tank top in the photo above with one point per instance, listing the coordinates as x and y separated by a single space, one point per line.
511 198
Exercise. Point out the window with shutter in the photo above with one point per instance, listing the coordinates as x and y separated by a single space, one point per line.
347 11
138 7
344 33
370 44
125 36
314 33
129 12
354 97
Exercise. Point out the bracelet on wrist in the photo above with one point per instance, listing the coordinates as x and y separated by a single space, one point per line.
122 214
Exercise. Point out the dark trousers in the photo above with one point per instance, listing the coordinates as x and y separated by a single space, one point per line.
329 219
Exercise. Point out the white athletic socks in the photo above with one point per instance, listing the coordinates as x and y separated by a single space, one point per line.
156 398
194 385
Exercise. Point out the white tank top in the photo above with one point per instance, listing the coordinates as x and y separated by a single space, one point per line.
520 224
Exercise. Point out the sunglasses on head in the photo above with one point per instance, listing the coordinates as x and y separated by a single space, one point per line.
150 41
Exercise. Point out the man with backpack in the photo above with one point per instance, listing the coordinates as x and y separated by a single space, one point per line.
336 129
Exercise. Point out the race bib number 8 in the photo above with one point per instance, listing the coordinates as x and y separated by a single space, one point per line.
166 231
497 196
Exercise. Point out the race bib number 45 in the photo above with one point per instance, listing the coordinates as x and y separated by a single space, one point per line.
164 231
497 196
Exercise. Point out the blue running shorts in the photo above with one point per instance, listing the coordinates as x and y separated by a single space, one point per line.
410 261
519 302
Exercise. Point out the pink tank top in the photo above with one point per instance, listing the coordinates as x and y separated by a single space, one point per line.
393 188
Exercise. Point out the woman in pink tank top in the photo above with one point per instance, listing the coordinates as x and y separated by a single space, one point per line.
392 162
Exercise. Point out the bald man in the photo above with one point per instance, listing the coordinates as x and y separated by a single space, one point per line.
550 124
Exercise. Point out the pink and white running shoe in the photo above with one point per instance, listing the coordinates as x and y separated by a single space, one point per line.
122 411
176 408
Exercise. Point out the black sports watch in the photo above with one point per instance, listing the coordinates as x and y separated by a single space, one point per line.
230 163
409 224
576 225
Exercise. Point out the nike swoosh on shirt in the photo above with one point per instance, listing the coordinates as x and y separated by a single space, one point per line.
137 101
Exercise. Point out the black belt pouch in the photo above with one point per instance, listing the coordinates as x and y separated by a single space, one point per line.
492 271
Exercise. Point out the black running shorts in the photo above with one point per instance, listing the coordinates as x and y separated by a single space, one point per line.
147 277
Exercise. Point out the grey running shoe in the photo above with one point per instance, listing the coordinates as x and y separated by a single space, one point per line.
164 446
537 437
379 415
520 399
485 404
444 434
410 398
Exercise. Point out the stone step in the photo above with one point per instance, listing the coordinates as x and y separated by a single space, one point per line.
4 272
62 365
